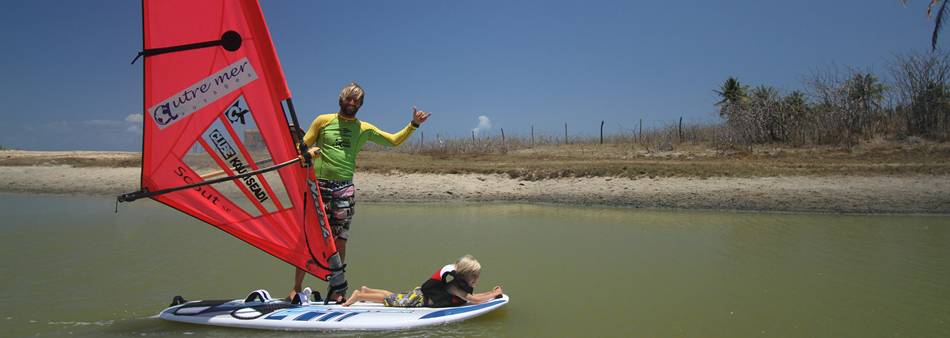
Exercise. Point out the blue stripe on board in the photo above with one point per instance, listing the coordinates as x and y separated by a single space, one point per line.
457 310
348 315
331 315
308 316
284 313
276 316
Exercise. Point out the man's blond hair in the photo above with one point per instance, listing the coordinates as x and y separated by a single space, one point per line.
468 267
350 90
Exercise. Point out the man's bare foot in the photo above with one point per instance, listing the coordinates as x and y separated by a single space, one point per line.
290 297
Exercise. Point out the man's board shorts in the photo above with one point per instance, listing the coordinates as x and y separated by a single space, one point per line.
339 200
412 298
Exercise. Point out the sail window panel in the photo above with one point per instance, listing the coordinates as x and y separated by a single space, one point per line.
202 160
281 199
248 151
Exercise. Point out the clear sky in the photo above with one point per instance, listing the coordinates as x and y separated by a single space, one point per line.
66 82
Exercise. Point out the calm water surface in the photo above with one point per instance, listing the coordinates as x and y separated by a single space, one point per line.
71 267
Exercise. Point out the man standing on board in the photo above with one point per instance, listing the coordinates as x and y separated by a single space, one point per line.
340 136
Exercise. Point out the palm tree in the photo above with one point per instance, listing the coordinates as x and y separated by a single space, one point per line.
796 114
733 94
865 94
765 116
795 100
765 94
866 91
938 24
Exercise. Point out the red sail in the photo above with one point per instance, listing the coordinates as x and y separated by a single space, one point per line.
214 93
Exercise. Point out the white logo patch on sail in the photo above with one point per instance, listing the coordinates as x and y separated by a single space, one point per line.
225 147
202 93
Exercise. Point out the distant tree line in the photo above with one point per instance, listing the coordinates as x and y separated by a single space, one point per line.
843 106
837 107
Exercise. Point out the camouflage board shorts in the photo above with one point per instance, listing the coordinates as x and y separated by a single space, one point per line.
412 298
339 198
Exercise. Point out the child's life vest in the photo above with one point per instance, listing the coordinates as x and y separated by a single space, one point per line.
436 288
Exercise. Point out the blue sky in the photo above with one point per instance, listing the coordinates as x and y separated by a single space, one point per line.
67 83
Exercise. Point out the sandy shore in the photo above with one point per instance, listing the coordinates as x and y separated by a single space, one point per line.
847 194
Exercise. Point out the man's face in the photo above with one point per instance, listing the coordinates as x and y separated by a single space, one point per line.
350 105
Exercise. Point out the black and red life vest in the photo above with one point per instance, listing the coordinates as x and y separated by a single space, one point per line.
436 288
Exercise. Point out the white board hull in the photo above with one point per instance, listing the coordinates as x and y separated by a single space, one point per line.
316 316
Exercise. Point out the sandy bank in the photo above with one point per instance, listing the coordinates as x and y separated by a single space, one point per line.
868 194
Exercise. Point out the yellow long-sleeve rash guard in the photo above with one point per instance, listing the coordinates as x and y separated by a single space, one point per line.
341 139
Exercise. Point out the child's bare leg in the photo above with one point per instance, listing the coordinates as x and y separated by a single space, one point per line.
367 294
355 297
371 290
366 291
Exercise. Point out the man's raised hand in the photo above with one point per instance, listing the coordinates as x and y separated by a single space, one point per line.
418 116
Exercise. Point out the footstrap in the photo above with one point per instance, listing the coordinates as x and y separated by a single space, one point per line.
258 295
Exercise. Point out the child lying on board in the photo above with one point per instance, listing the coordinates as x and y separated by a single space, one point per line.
452 285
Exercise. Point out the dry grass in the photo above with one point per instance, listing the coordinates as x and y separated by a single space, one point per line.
636 161
69 158
624 159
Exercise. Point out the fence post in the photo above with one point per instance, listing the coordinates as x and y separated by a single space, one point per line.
640 134
532 136
601 131
422 139
503 143
565 133
679 133
473 136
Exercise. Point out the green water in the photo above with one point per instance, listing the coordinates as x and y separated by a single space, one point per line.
71 267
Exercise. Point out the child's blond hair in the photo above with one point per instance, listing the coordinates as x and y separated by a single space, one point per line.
468 267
